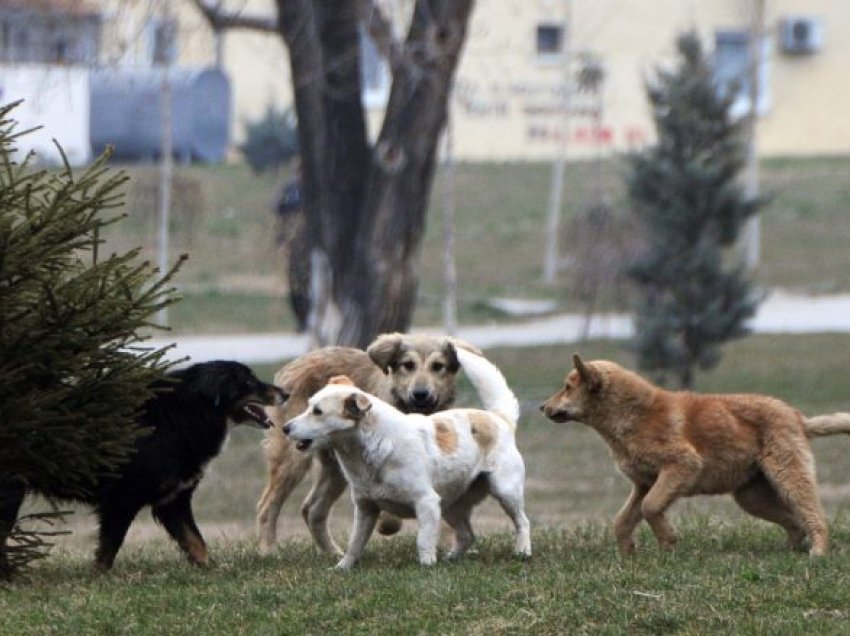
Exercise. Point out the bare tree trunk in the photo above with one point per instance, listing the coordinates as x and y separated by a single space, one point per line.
323 42
367 206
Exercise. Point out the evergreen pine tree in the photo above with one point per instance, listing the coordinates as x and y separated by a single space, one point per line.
74 370
687 197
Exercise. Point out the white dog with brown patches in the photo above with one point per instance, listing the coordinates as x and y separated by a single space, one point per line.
429 467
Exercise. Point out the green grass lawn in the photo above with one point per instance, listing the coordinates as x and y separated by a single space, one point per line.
723 578
729 573
235 277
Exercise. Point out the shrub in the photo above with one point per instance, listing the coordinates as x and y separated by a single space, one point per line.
271 141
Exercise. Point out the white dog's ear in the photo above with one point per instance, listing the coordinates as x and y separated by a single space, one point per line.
385 350
356 405
587 373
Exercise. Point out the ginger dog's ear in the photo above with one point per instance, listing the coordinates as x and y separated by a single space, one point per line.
587 373
356 405
385 350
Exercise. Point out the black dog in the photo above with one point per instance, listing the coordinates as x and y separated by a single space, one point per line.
188 425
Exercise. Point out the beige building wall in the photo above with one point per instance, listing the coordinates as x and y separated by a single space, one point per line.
258 67
506 100
810 93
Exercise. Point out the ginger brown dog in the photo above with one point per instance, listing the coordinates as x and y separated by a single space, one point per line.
414 373
674 444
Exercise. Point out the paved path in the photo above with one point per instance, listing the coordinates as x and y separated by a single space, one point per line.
780 313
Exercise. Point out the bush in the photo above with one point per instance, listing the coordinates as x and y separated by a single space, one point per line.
271 141
74 372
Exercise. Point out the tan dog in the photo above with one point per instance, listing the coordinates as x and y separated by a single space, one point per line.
415 373
674 444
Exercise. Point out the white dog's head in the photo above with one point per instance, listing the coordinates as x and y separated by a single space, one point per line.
336 408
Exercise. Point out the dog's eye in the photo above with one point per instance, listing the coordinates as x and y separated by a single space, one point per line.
437 367
409 366
317 410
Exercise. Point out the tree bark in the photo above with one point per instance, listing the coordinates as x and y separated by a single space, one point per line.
367 205
323 42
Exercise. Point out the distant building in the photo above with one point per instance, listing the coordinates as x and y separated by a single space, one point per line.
91 73
46 47
514 98
510 93
49 32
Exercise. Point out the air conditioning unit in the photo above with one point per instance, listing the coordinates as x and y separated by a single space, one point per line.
801 35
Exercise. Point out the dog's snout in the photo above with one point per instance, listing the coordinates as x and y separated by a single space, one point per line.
543 408
421 395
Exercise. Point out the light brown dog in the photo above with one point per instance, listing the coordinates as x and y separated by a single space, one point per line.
674 444
414 373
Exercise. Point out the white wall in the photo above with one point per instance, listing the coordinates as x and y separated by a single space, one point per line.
56 98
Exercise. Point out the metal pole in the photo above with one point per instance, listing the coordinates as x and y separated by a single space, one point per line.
218 36
556 195
449 265
166 171
752 232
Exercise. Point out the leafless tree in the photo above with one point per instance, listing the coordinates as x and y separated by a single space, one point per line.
366 202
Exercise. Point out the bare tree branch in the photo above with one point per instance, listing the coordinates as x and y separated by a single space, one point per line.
221 20
381 33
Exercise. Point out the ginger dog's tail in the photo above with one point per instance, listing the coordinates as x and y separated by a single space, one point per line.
491 385
823 425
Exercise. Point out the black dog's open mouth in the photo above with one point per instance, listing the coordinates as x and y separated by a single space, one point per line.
560 417
303 444
257 413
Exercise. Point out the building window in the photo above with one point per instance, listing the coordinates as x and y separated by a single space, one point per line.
21 47
163 42
374 73
39 37
5 41
61 51
731 70
550 40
